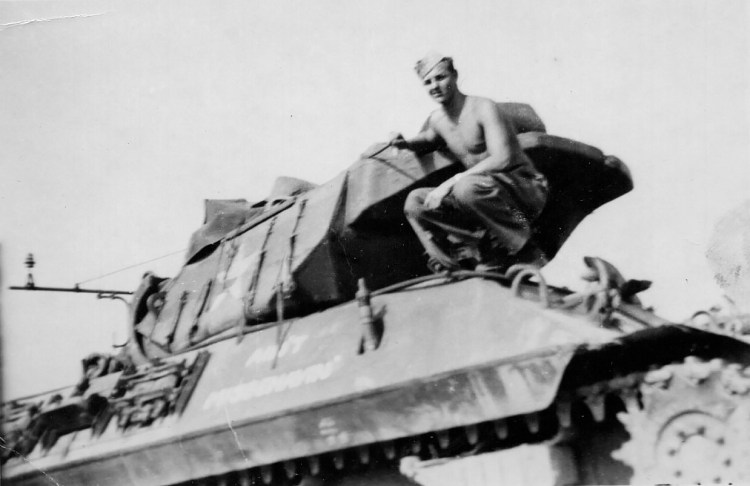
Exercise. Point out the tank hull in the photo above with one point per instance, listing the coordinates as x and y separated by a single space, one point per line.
276 395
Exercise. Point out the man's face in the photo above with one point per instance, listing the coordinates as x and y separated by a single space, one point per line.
440 83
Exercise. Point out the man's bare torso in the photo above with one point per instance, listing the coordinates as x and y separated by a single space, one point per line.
464 134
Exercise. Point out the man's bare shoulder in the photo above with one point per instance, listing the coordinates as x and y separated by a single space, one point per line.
480 103
489 113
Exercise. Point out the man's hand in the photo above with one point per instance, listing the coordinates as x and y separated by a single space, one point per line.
436 196
397 140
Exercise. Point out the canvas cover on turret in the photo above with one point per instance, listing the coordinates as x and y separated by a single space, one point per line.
305 249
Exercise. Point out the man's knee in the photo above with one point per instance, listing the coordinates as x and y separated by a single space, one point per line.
469 189
414 205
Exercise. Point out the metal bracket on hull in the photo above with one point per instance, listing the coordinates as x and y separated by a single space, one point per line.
155 392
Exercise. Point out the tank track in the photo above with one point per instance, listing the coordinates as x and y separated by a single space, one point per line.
693 426
645 402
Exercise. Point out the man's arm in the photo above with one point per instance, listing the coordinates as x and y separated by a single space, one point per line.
498 137
425 141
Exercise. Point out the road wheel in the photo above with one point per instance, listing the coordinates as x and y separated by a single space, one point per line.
693 426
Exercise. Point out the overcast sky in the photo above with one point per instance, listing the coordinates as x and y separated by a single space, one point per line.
118 118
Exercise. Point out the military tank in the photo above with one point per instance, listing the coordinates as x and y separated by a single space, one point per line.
304 341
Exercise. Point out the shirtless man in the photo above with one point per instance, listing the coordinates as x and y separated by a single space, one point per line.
488 207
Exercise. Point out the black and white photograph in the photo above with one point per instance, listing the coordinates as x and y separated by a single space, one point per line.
374 242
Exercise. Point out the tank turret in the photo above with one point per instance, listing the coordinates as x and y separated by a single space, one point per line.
304 247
